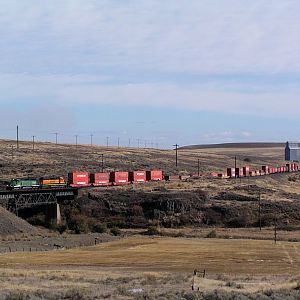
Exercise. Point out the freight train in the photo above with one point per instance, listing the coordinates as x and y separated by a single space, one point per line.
85 179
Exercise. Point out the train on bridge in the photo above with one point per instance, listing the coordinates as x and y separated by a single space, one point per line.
116 178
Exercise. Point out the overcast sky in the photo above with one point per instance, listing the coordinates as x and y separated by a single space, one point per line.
165 72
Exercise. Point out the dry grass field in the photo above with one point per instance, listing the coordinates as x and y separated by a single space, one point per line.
160 254
51 159
156 268
242 263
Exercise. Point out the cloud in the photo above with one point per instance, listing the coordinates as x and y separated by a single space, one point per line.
218 36
229 56
215 96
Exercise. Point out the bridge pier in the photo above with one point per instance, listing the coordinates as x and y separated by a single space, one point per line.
53 214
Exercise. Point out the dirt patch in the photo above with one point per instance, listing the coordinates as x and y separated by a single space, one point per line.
10 224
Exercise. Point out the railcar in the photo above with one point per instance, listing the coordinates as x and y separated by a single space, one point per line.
52 182
17 184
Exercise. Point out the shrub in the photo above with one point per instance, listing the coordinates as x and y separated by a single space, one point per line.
152 230
100 228
115 231
212 235
61 228
137 210
292 178
78 225
37 220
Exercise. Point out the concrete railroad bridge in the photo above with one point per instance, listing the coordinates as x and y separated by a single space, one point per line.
50 198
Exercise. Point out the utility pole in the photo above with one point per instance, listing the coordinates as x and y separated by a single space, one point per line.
176 149
198 167
17 137
235 167
76 138
118 142
107 139
102 161
138 141
129 142
92 139
145 144
275 231
259 209
56 134
33 137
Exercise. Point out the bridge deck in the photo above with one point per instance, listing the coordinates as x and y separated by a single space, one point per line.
33 197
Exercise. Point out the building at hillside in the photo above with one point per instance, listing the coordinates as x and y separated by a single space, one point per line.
292 152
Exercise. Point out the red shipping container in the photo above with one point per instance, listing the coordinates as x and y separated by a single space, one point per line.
231 172
119 178
154 175
265 169
78 179
99 179
246 171
137 176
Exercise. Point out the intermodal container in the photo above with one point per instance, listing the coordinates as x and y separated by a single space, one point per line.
78 179
100 179
239 172
246 171
289 166
137 176
231 172
265 169
154 175
172 177
119 178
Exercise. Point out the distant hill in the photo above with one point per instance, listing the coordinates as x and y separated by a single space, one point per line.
235 145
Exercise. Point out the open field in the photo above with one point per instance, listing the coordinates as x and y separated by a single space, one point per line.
51 159
161 254
242 262
156 266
